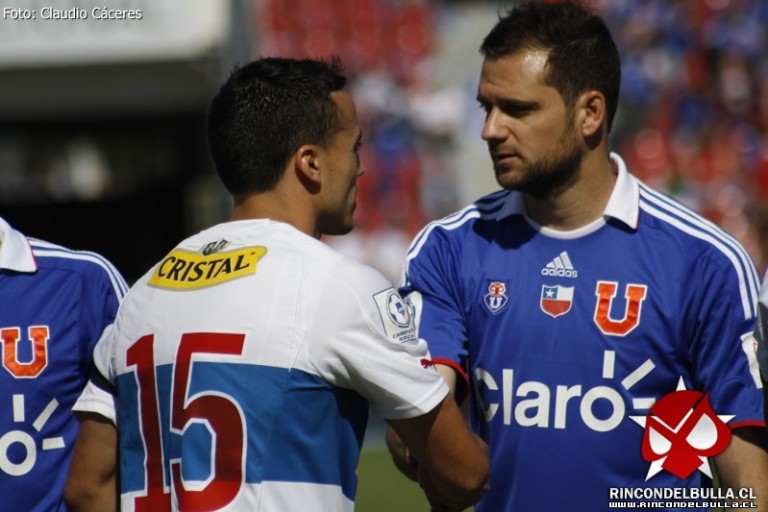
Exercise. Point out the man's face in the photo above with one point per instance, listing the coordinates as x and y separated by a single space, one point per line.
529 130
340 184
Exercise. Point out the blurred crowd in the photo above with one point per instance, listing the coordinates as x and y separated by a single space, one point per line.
694 113
693 118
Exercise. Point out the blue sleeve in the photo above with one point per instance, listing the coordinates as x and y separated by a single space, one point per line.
102 290
432 285
761 330
723 349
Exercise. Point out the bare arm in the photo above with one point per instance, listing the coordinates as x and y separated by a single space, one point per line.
400 453
744 464
453 463
449 375
92 482
438 449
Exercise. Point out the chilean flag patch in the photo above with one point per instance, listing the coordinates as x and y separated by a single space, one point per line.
556 300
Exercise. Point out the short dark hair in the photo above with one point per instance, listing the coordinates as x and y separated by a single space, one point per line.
582 52
264 112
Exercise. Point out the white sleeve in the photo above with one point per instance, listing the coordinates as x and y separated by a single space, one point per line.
94 397
97 400
363 337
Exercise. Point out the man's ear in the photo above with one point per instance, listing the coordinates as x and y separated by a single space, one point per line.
591 117
308 162
591 113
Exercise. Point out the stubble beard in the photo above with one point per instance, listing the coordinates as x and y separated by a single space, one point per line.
551 174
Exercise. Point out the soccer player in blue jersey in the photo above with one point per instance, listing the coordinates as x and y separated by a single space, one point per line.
601 330
244 363
54 305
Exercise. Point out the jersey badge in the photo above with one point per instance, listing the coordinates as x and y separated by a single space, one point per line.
556 300
496 298
214 247
395 316
187 270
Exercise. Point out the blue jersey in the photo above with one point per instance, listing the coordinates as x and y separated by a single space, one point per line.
54 305
567 339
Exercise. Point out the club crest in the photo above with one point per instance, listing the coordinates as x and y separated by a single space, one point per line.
496 298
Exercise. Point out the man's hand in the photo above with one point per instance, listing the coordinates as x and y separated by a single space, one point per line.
438 502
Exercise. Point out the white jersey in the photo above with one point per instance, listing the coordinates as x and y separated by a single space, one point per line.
244 364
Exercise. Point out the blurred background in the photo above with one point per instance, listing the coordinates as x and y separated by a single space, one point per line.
102 141
102 121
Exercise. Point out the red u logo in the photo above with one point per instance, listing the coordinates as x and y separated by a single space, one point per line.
606 291
11 336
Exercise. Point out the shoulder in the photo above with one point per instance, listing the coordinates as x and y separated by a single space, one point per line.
88 265
668 215
345 273
455 228
711 252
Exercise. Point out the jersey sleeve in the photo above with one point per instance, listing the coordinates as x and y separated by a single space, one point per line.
364 338
761 329
723 353
431 287
103 289
99 395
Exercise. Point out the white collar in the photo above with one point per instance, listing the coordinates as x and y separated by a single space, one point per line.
15 251
623 205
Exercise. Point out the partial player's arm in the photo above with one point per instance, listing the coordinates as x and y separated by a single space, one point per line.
403 458
725 365
451 463
449 375
377 353
744 464
92 482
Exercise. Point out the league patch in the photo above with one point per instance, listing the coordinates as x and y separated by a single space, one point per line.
187 270
556 300
395 316
414 303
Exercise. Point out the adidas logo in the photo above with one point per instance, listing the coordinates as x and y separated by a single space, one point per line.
560 267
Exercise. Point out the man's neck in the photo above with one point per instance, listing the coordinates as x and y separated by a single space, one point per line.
580 204
276 206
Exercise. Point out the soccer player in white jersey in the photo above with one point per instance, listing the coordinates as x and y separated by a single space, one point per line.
54 305
577 303
244 363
